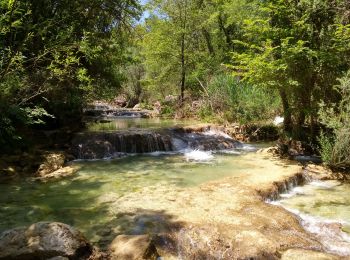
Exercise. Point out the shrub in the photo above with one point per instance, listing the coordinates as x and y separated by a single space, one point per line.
335 147
240 101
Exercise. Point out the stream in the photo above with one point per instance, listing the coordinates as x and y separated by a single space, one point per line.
324 209
79 200
89 200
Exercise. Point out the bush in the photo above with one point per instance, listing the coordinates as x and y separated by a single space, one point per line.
335 147
326 142
241 102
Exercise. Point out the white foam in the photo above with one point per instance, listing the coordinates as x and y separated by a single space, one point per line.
160 153
324 184
229 152
327 231
197 155
248 147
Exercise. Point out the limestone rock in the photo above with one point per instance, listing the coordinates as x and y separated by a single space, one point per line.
44 240
60 173
299 254
137 106
52 162
133 248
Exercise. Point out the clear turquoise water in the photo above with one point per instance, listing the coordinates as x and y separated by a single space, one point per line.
76 200
324 200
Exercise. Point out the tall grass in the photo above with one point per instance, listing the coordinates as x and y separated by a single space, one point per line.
241 102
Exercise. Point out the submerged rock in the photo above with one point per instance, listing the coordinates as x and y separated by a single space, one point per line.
137 247
44 240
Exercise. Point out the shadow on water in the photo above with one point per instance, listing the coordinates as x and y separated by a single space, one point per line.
77 204
156 223
66 201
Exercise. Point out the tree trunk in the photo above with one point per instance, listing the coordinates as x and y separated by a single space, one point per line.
207 37
225 31
286 110
183 69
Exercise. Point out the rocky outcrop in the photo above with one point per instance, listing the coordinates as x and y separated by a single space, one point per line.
44 240
253 133
37 163
136 247
282 186
101 145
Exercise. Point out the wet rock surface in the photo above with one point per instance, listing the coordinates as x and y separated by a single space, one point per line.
60 173
133 247
297 254
38 163
44 240
224 219
98 145
51 162
102 145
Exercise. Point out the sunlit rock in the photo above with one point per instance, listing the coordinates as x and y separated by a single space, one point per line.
44 240
51 163
297 254
136 247
60 173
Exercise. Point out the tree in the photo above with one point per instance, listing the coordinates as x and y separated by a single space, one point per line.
292 46
56 54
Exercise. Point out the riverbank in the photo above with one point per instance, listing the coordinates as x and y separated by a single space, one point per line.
53 150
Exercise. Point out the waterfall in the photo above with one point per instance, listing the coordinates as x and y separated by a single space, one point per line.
98 145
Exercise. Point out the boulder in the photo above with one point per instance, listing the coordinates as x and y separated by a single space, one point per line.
60 173
129 247
44 240
121 101
51 162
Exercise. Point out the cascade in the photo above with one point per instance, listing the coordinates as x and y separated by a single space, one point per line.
98 145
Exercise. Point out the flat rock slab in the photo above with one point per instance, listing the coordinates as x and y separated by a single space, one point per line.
126 247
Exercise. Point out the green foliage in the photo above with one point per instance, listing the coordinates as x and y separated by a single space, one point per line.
243 102
57 55
167 111
335 148
326 142
206 113
298 48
